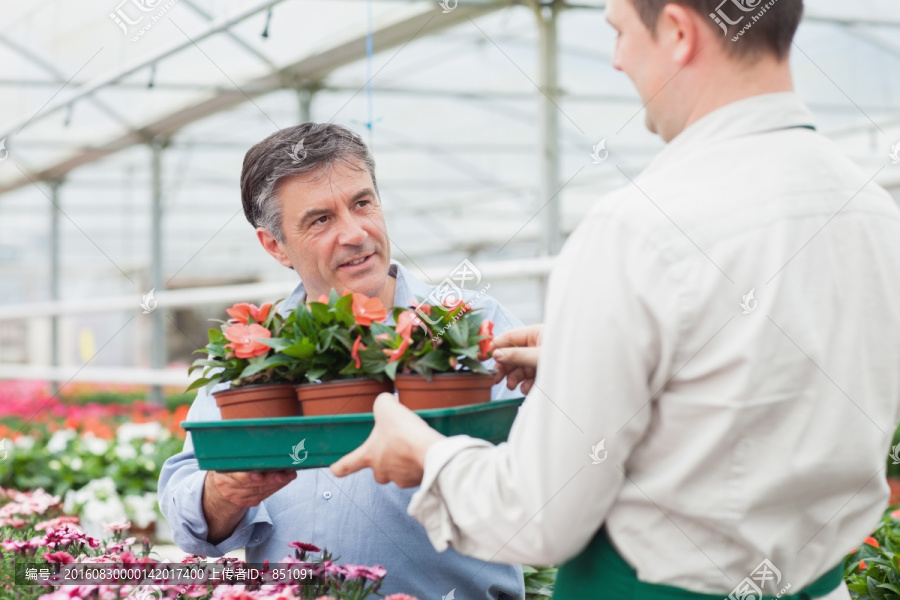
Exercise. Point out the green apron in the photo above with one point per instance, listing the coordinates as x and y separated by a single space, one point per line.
600 573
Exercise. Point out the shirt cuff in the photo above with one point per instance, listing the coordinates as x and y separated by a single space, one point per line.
190 530
427 505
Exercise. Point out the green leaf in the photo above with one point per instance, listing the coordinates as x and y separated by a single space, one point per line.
302 349
276 360
474 365
457 335
321 312
436 361
216 336
391 370
316 373
276 344
197 383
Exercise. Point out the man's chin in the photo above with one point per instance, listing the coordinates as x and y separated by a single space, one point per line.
368 281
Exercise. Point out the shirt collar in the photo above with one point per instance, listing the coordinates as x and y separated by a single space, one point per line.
748 116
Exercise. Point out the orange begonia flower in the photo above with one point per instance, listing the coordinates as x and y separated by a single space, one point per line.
406 321
242 312
484 346
394 355
357 345
871 541
366 310
244 340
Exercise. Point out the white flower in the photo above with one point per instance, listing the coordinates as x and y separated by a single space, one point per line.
60 440
104 511
126 452
140 431
25 442
77 463
147 448
141 509
96 446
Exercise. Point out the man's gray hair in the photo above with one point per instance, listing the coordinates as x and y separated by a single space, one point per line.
298 150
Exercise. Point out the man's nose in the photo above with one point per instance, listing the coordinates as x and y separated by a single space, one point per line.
352 232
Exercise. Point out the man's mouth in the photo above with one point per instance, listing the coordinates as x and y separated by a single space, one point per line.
356 261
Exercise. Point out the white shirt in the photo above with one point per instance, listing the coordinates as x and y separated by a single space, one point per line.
731 437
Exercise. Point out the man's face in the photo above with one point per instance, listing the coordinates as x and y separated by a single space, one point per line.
334 230
639 56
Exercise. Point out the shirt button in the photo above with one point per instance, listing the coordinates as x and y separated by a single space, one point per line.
326 495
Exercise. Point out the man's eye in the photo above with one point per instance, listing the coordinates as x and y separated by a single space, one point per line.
320 221
363 203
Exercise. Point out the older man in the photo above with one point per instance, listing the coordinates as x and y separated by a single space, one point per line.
715 421
312 195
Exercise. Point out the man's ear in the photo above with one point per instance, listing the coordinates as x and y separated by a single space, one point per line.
679 29
273 247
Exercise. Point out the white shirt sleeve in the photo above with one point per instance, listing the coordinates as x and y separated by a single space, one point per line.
613 313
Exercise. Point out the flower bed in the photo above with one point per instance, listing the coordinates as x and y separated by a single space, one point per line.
34 530
100 449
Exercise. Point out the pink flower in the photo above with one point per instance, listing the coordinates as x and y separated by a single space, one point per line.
304 547
453 303
244 340
117 527
14 522
59 557
400 597
57 523
243 312
355 352
366 310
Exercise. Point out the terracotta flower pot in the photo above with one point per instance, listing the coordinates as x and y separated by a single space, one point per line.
445 390
342 397
258 402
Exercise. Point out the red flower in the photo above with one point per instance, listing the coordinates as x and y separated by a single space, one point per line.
355 352
63 558
244 340
366 309
242 312
323 299
896 514
862 565
484 346
871 541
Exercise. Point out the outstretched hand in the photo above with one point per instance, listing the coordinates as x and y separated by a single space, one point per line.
516 353
395 450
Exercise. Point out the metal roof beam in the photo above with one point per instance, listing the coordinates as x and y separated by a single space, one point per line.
311 68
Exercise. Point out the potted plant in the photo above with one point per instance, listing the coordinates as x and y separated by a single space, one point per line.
260 377
434 355
341 367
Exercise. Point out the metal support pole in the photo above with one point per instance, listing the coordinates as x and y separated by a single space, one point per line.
54 278
304 104
549 127
158 330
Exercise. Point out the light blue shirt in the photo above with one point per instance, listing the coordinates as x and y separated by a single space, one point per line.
355 518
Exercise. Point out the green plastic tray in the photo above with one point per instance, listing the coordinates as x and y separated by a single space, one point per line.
314 442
